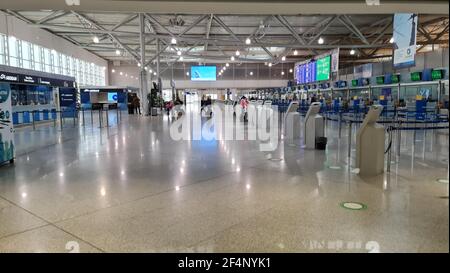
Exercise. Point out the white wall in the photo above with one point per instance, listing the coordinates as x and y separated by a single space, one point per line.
122 80
12 26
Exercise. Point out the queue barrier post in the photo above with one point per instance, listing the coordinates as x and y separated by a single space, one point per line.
33 117
349 150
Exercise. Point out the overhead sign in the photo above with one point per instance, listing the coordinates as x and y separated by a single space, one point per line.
405 30
323 68
23 78
8 77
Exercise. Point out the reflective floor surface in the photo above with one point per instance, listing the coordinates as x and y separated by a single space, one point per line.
131 188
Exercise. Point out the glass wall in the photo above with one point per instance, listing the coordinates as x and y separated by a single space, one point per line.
18 53
22 94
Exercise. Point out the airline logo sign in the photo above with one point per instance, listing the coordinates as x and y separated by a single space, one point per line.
6 77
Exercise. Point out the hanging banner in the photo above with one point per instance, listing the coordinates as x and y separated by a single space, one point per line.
405 30
362 71
6 125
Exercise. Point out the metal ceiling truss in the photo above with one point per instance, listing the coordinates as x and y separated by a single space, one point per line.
371 36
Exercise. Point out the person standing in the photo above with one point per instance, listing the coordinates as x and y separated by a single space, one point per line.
137 105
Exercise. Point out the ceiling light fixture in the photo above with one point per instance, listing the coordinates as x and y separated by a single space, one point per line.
283 58
173 41
352 52
179 53
295 52
227 64
118 52
232 58
96 39
320 41
238 53
248 41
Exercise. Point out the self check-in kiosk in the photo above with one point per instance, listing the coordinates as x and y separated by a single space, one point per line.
370 143
314 125
292 121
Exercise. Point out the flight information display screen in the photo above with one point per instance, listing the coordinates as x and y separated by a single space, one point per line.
323 68
306 73
203 73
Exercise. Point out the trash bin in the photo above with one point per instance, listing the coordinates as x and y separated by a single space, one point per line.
321 143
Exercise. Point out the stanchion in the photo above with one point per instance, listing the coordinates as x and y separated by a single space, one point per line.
390 149
100 117
33 117
340 120
75 113
82 114
61 120
117 114
107 118
92 118
349 152
54 120
399 138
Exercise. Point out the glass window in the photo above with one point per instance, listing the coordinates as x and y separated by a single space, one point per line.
47 60
2 49
13 51
64 67
26 55
57 62
37 55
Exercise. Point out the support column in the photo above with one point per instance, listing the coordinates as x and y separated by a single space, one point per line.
143 72
158 71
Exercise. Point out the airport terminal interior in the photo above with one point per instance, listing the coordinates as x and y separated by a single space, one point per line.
250 126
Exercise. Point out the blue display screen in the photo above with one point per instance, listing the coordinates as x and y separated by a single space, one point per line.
112 97
203 73
306 73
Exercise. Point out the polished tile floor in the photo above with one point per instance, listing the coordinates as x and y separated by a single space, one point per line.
130 188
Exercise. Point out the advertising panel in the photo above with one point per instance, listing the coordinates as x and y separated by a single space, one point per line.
6 125
203 73
405 30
